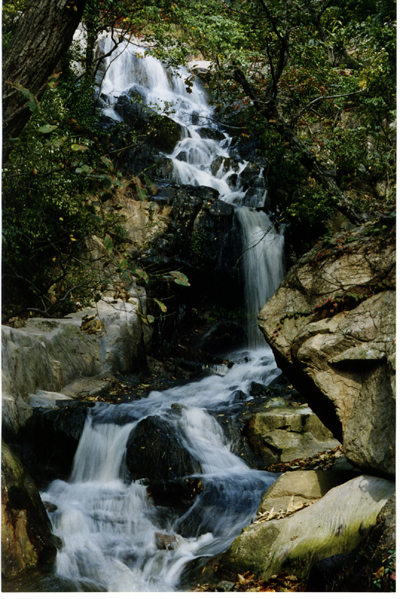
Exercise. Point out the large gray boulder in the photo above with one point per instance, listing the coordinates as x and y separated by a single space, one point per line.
294 490
49 354
331 325
336 524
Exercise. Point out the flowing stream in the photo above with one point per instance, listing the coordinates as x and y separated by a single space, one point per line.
107 523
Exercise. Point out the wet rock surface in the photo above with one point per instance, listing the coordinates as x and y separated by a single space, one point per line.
155 452
331 327
26 537
285 433
48 354
371 567
49 440
295 490
162 132
335 524
176 493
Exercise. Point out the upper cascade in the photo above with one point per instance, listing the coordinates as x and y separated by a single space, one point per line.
202 158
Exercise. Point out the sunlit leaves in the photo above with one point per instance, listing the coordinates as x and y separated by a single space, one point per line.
180 278
47 128
160 304
79 148
107 162
108 244
33 103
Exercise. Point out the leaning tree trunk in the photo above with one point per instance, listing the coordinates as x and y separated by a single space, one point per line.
42 37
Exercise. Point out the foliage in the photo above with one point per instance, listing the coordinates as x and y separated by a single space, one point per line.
385 577
309 85
11 13
54 186
325 72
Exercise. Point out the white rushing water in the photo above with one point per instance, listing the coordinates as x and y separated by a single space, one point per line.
107 523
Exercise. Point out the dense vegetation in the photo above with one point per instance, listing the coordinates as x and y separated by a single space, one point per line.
306 84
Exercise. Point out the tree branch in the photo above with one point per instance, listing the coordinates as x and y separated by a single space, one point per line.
270 19
239 12
320 98
270 112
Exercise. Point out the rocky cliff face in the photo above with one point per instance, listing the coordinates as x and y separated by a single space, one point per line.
331 325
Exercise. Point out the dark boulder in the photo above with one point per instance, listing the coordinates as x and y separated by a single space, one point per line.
49 440
220 338
176 493
250 171
207 133
161 132
26 540
226 163
258 390
155 451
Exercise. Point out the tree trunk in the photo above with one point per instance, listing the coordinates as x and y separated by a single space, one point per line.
42 37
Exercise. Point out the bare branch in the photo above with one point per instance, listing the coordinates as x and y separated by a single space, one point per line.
239 12
319 99
270 19
251 247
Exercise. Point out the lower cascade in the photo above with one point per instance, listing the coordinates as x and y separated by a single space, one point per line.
114 537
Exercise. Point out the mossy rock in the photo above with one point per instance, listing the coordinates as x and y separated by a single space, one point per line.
336 524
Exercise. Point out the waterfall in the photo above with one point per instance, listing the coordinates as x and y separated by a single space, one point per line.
107 524
262 264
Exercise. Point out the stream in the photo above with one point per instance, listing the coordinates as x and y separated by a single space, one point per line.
107 523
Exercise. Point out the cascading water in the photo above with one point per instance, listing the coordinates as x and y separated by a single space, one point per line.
106 522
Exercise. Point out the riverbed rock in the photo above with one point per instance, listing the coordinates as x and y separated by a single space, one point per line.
189 228
161 131
335 524
155 451
374 561
164 541
48 354
331 325
175 493
293 490
49 439
26 537
285 433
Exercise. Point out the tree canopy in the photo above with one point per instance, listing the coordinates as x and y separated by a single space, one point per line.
308 84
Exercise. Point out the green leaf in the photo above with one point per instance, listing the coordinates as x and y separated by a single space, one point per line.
142 193
162 306
79 148
147 180
108 243
107 162
150 318
141 274
33 102
47 128
84 169
180 278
